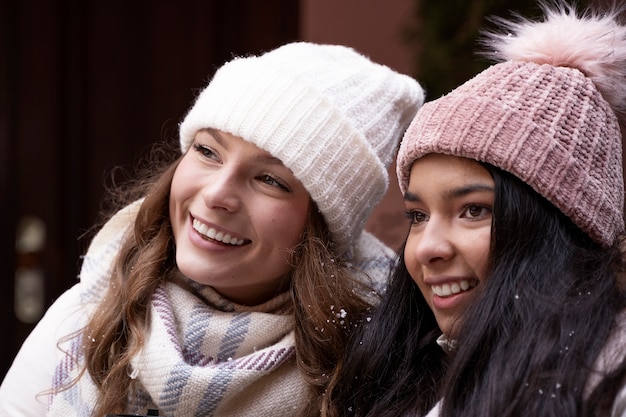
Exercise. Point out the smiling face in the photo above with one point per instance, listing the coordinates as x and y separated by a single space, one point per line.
236 213
450 202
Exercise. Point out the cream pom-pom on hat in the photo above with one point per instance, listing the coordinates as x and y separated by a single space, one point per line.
330 114
548 112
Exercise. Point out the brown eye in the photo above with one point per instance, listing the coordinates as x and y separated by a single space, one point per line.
416 216
476 212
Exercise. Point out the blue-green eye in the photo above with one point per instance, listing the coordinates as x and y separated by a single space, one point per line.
205 151
268 179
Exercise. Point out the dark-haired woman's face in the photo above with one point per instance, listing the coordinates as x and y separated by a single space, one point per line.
450 202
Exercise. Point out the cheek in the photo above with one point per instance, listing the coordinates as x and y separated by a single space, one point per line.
410 260
179 192
177 187
288 222
187 182
178 179
174 191
175 219
480 254
293 230
414 268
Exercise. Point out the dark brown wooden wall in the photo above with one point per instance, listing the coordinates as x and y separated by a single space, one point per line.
88 85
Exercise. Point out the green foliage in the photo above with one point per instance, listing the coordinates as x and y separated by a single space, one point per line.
446 34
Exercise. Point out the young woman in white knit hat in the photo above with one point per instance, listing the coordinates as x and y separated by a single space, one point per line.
510 297
231 286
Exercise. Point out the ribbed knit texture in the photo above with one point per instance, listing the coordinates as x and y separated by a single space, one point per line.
549 125
329 114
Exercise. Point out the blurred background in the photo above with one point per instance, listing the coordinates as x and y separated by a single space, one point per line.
87 86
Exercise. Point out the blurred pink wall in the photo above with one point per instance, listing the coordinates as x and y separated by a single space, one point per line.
374 28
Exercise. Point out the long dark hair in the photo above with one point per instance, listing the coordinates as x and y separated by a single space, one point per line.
527 345
391 358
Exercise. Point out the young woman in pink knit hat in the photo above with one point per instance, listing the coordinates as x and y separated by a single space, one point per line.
510 296
230 280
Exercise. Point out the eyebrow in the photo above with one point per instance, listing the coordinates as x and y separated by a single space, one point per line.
269 158
453 193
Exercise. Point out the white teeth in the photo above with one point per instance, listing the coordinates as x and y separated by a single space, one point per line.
213 234
446 290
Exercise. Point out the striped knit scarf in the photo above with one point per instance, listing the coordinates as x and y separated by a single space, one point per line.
199 359
203 355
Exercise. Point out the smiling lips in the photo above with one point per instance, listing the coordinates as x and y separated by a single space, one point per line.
214 234
448 289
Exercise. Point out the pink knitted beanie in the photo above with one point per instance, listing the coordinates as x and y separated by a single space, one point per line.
547 113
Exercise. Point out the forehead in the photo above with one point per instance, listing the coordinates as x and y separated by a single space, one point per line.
437 177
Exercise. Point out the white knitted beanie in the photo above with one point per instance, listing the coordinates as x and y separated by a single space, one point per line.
329 114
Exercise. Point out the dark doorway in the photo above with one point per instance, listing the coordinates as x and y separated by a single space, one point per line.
89 85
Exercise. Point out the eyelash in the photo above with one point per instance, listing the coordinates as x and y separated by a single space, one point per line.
203 149
277 183
412 214
268 179
483 209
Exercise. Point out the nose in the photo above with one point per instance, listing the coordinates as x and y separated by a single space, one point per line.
222 190
432 244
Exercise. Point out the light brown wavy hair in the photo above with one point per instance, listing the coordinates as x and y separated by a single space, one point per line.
320 280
